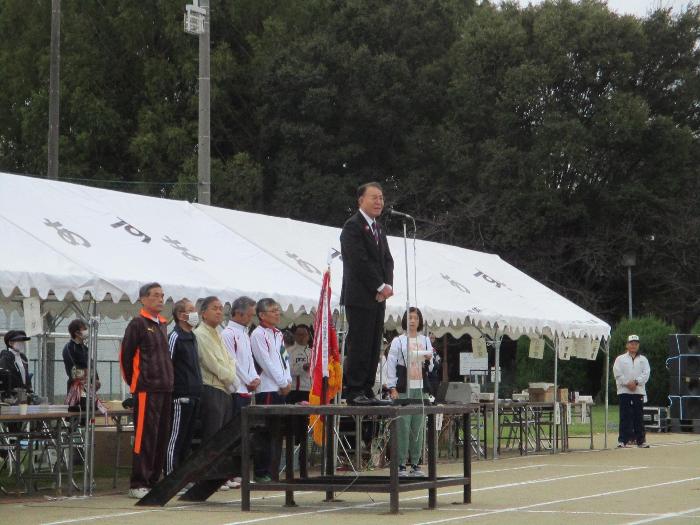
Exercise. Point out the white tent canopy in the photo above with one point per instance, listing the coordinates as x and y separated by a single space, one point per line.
66 239
456 288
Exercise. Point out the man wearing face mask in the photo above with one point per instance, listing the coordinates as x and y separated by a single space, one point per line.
15 361
75 355
187 384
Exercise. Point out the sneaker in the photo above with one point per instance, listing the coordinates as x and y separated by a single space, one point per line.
621 445
643 445
224 487
138 493
265 478
403 473
233 484
416 472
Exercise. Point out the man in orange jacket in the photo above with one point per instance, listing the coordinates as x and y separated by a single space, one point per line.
148 370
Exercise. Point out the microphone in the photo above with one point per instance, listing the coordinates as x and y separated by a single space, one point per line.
392 211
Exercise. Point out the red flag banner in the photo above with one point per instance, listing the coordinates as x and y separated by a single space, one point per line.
325 357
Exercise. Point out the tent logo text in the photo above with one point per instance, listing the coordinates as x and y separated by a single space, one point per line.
454 283
304 264
133 230
68 236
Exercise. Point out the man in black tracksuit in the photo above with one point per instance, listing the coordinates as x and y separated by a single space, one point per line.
187 386
148 370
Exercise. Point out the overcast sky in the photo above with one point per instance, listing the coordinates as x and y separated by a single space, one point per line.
637 7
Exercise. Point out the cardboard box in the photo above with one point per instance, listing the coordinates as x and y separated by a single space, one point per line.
540 395
563 395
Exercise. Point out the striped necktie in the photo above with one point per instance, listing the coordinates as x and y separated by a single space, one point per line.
375 232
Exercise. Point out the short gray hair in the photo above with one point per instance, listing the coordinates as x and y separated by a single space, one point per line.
241 304
206 302
146 289
264 305
179 307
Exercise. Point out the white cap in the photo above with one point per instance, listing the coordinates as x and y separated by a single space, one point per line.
633 339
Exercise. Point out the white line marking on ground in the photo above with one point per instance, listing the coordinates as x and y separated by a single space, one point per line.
179 507
508 469
564 500
364 505
665 516
557 478
573 512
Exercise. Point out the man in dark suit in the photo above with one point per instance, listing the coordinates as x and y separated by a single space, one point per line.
368 275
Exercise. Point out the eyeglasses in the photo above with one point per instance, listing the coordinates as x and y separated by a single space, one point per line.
273 311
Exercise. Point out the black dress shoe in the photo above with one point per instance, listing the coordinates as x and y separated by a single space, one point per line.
362 400
378 401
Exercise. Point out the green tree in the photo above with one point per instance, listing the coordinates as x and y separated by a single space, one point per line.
559 135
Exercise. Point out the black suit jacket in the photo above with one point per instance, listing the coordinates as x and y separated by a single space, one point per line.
7 361
366 265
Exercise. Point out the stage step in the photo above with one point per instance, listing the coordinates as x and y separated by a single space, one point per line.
208 468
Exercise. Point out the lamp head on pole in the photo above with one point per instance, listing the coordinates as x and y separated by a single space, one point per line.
194 18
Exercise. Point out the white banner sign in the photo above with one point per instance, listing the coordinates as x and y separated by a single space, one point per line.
33 322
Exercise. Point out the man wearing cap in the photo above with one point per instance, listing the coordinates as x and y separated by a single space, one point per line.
631 371
14 361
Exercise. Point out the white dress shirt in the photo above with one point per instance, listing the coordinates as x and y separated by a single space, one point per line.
627 369
236 340
266 344
371 223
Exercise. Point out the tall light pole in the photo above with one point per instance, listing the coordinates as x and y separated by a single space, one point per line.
629 260
54 77
198 22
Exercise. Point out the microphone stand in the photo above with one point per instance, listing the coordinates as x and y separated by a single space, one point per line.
404 219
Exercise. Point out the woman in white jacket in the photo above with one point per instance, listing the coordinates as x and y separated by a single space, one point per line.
407 355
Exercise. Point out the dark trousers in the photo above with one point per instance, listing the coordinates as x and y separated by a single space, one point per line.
181 432
216 409
267 450
151 432
364 346
300 423
631 418
260 455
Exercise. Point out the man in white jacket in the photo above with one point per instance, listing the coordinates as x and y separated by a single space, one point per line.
631 371
275 377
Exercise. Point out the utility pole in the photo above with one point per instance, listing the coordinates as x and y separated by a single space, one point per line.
54 78
198 22
629 260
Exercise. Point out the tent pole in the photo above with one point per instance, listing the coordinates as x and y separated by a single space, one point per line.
556 405
497 365
607 388
90 398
